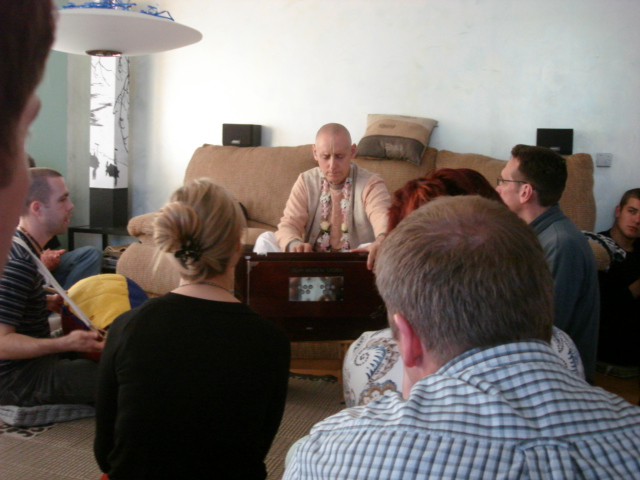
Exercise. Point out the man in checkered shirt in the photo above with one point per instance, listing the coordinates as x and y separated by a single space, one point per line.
470 301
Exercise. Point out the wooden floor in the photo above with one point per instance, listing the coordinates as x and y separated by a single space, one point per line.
627 388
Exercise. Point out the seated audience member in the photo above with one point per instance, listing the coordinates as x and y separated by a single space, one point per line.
442 182
619 339
334 207
368 375
192 384
470 300
531 185
69 267
32 369
26 35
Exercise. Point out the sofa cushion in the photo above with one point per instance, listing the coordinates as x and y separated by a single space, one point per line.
578 202
138 262
397 172
141 227
489 167
396 137
270 174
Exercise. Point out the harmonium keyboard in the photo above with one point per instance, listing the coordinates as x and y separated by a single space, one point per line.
312 296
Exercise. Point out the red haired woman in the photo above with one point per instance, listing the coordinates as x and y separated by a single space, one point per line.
445 181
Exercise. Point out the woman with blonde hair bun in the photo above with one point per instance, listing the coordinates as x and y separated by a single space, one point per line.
192 383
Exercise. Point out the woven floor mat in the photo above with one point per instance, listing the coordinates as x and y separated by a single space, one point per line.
309 400
64 451
23 432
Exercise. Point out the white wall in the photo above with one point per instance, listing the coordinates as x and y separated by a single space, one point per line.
490 71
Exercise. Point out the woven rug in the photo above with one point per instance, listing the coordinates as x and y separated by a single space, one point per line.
23 432
309 400
64 451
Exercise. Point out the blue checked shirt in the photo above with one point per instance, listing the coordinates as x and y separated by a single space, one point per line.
509 412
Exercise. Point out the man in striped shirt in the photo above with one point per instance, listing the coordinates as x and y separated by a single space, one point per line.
470 302
33 370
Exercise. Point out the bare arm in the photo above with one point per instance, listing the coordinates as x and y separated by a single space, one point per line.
15 346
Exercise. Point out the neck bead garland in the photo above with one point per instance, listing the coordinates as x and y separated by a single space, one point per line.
324 239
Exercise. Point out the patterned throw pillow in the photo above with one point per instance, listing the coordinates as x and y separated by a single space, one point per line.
396 136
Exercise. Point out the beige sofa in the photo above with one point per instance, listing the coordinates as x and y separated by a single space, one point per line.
261 179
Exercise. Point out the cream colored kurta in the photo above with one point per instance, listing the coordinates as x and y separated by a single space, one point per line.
292 228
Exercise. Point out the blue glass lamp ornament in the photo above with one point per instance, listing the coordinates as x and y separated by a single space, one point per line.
114 27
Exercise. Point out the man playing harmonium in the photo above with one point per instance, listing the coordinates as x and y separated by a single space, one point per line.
334 207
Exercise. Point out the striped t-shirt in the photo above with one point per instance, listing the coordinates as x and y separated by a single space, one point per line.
23 301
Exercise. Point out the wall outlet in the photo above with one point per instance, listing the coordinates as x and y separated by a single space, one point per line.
604 159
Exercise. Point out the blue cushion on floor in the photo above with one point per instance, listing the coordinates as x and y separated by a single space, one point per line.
43 414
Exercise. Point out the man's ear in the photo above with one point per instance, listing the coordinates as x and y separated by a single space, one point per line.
315 155
618 211
353 150
408 342
35 208
526 193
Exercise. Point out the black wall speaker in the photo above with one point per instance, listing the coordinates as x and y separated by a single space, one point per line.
557 139
241 135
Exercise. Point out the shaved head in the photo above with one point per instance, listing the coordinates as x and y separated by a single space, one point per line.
333 130
333 151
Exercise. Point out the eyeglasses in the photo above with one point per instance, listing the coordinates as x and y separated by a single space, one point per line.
502 180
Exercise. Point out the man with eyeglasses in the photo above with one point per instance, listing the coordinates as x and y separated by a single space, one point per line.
531 185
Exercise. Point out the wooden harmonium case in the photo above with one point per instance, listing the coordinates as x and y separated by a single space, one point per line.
312 296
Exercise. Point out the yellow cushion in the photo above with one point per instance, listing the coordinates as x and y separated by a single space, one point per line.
102 298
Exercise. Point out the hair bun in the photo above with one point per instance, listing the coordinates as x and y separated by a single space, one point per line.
200 227
190 252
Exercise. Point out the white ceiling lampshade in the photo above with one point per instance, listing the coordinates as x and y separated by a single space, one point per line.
110 28
113 31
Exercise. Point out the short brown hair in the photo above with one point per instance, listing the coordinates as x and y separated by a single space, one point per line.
39 188
633 193
26 35
544 169
200 227
466 272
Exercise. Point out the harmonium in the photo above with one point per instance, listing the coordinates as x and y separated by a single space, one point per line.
312 296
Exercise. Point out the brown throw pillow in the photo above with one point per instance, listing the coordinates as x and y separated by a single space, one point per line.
396 136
